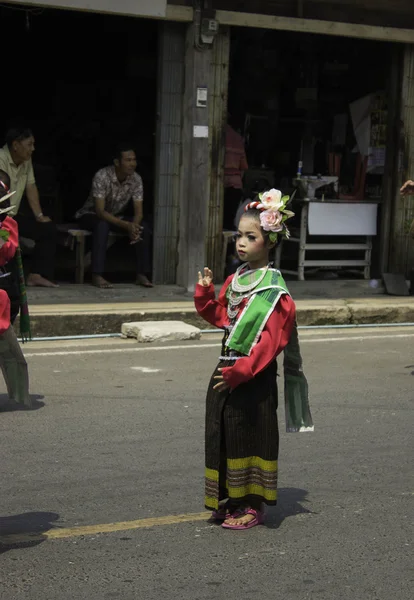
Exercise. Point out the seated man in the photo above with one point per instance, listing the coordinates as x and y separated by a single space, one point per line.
16 161
113 188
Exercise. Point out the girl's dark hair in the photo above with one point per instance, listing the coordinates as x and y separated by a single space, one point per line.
254 214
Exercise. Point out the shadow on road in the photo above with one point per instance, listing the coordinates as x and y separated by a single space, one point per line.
7 405
26 530
289 504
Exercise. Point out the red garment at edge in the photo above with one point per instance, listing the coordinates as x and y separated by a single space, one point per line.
7 251
235 163
274 338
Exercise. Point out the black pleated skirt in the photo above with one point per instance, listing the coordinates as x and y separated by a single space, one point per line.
242 441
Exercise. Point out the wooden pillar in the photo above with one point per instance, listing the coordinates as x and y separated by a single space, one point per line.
402 246
195 187
392 156
168 153
219 82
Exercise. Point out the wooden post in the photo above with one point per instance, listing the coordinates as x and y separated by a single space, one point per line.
392 156
402 246
168 153
195 188
216 241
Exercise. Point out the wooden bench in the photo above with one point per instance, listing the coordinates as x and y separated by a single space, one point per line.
76 240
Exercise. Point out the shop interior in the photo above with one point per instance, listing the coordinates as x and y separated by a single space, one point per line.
83 82
309 104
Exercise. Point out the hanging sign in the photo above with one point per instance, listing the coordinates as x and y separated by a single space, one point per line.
142 8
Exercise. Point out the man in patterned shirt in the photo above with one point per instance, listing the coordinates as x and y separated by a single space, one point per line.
113 188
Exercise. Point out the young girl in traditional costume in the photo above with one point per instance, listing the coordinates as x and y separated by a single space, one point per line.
259 318
12 361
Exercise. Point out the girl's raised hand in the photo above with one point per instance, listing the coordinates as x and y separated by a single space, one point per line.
206 279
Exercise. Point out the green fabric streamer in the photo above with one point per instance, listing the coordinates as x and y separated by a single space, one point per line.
246 333
297 410
25 331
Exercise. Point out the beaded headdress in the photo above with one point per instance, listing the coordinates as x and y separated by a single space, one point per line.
273 213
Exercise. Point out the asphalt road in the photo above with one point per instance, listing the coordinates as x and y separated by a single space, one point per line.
102 483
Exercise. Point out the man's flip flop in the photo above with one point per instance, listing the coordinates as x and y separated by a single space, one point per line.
104 286
258 520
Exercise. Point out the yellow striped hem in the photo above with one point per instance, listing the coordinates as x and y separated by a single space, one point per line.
211 502
236 464
212 474
253 490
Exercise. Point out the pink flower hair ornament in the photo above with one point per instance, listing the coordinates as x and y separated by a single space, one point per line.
273 213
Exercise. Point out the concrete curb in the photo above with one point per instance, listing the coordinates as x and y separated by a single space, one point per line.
63 320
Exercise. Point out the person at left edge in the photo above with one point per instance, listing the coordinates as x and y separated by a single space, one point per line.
16 161
12 362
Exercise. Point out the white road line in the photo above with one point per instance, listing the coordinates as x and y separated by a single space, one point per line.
345 338
303 340
119 350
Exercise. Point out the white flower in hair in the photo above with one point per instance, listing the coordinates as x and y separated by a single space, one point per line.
272 199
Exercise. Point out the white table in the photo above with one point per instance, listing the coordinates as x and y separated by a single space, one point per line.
334 218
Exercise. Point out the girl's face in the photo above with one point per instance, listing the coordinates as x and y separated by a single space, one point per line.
251 246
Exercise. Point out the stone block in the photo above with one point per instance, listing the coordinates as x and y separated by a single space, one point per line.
160 331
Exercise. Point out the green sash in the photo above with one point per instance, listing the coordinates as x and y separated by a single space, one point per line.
246 333
263 300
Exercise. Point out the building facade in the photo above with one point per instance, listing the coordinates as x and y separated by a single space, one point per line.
192 100
384 21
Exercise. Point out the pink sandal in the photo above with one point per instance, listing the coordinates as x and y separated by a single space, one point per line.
258 520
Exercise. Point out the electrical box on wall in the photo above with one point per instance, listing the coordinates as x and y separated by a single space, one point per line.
208 30
202 97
